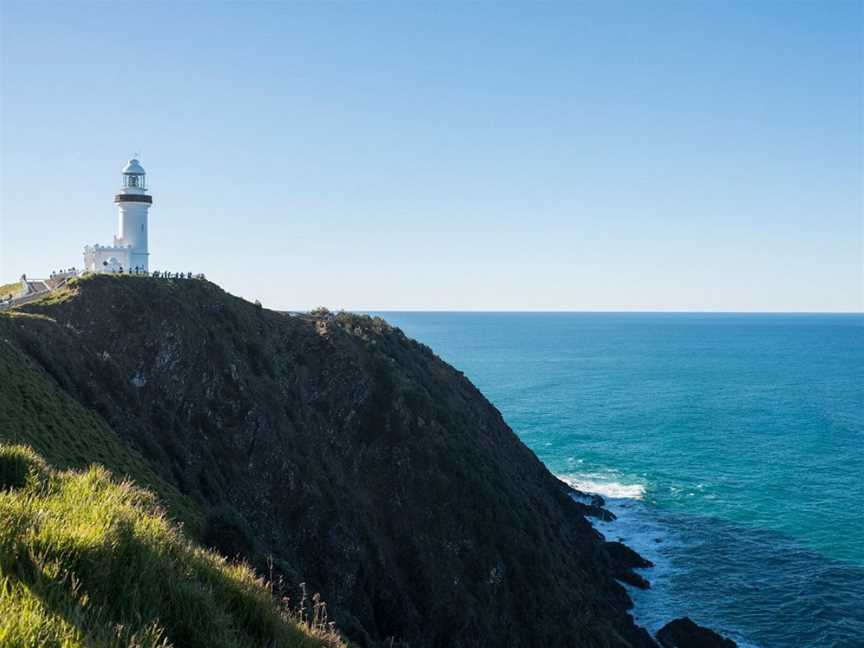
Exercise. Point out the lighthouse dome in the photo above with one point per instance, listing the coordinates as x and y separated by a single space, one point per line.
133 166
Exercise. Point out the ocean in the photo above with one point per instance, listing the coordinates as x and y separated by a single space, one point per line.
730 446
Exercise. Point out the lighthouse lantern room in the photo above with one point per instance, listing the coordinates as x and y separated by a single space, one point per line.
129 251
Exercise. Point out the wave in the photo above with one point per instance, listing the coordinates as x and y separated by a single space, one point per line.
603 485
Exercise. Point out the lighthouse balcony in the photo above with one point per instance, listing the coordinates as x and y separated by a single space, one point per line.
128 197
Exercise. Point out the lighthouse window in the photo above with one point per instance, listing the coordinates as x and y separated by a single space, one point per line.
132 181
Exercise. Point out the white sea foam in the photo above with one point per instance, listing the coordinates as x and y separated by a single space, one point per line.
592 483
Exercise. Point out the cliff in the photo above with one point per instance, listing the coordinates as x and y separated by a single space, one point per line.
363 464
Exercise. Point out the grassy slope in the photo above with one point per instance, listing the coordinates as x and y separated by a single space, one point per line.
89 561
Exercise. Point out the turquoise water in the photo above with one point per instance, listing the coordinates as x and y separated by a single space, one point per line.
730 446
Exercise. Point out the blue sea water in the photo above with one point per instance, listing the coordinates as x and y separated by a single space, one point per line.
731 447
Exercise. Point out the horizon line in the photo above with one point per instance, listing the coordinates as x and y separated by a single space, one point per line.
606 312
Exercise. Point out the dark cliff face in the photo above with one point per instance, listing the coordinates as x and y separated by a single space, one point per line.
362 463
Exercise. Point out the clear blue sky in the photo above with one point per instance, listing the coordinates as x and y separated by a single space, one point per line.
449 155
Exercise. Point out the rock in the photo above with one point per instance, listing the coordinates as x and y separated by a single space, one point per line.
595 511
625 556
632 578
624 560
684 633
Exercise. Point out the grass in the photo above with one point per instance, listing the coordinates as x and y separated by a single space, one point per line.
87 560
8 288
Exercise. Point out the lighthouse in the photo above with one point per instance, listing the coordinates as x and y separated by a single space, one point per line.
129 251
134 206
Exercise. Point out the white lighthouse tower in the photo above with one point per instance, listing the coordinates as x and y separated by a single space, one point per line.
134 205
129 251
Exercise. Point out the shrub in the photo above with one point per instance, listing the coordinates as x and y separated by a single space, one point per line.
17 463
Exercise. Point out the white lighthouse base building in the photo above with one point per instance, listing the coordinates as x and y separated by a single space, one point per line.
129 252
106 258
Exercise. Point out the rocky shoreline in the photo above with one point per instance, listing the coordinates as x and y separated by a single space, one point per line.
678 633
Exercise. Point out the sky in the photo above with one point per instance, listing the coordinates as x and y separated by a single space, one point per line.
449 155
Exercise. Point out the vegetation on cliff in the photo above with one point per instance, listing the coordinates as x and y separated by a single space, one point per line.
357 459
